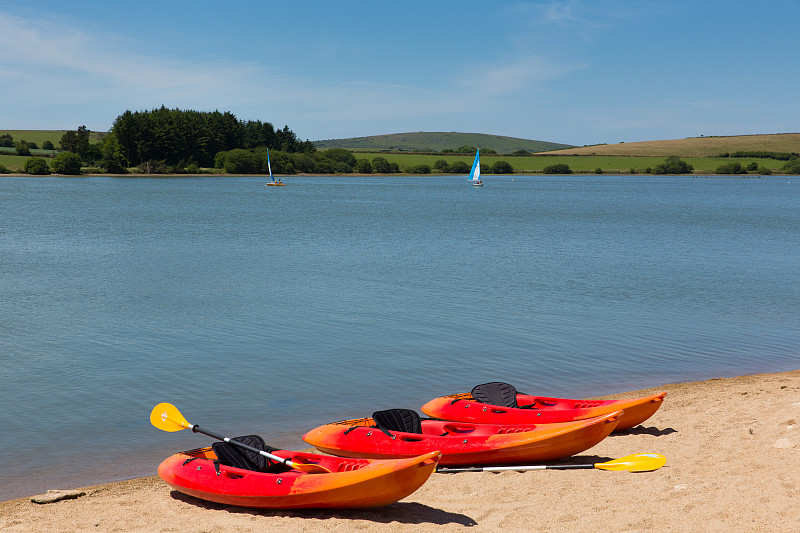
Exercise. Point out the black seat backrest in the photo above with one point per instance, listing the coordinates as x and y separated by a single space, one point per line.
404 420
232 455
496 393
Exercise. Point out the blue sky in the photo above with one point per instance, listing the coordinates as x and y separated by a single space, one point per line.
576 72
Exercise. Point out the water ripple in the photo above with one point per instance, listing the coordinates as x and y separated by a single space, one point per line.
260 311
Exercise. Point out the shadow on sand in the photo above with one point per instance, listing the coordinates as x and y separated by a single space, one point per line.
641 430
401 512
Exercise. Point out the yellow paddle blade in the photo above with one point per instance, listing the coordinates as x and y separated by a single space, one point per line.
640 462
166 416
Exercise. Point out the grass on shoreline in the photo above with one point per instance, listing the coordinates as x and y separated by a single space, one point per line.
526 164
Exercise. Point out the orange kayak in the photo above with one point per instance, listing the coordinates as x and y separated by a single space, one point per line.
352 483
500 403
462 443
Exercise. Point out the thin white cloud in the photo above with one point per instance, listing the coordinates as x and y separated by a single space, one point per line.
51 64
467 101
555 17
563 13
529 73
46 62
65 76
560 23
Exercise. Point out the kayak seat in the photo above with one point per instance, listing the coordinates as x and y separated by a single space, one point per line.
496 393
404 420
232 455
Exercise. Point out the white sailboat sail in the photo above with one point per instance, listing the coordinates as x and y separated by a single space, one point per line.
475 173
269 166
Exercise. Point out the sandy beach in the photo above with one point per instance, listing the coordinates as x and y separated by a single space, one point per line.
733 464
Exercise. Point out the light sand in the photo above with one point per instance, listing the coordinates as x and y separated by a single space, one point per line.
733 464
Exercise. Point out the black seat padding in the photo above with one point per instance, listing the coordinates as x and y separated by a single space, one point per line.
232 455
496 393
404 420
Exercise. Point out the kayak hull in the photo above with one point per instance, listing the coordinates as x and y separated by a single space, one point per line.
463 408
352 483
464 443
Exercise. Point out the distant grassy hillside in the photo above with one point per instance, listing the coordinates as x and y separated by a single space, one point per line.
54 136
436 142
695 146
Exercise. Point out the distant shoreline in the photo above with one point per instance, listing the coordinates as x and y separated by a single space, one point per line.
376 175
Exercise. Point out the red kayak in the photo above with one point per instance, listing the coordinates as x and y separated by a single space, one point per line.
500 403
400 433
352 483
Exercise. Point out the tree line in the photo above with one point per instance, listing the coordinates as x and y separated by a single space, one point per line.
174 137
779 156
331 161
162 141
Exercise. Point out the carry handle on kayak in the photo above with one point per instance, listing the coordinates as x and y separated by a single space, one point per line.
166 417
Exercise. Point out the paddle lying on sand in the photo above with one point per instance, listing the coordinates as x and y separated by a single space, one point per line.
166 416
640 462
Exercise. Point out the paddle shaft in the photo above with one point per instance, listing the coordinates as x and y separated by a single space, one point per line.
512 468
286 461
640 462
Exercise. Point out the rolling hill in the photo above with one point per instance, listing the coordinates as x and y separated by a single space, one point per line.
693 146
436 142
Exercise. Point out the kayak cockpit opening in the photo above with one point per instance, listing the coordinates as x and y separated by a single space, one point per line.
402 420
236 457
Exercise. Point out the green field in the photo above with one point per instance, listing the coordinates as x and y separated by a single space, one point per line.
35 136
40 136
14 163
536 163
34 151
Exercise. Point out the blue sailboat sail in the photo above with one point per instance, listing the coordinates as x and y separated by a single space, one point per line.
475 173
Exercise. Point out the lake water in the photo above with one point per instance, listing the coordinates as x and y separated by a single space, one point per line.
272 310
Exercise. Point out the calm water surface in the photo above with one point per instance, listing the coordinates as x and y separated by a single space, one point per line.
273 310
